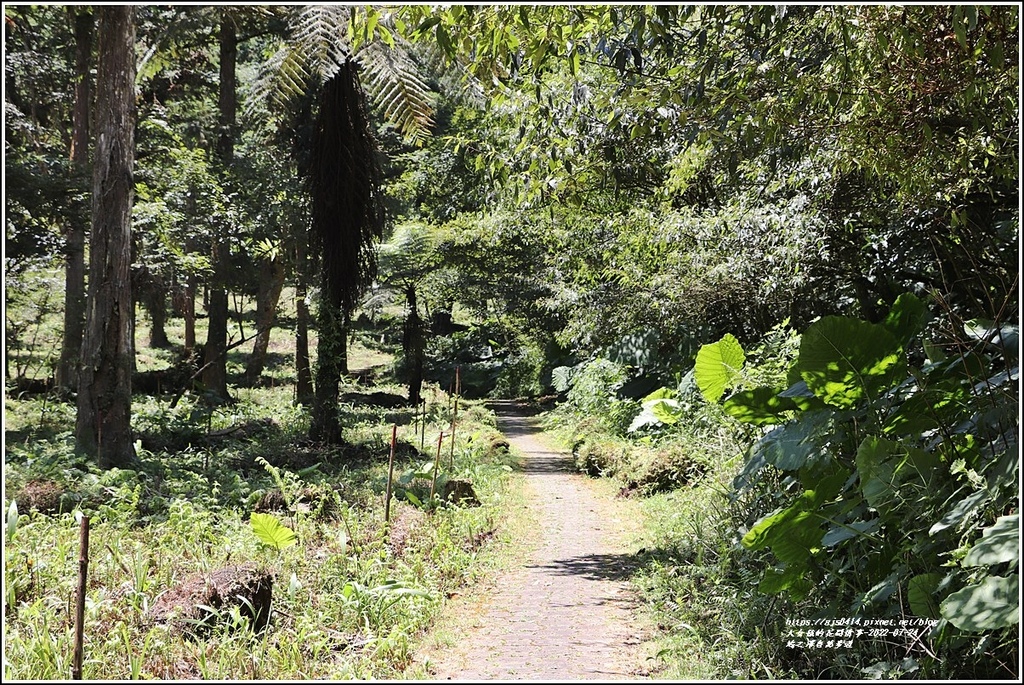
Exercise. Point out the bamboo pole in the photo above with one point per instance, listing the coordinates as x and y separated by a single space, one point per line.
83 575
437 462
391 473
423 425
455 415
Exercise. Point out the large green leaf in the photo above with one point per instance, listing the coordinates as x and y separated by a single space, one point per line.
794 533
793 579
800 541
993 603
907 317
840 532
665 410
878 463
801 395
892 474
660 394
921 591
1000 542
790 446
913 417
717 366
963 507
845 360
760 406
272 532
659 408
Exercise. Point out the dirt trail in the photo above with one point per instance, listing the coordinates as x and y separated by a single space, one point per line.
566 613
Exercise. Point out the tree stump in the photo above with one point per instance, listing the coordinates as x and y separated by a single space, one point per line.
202 600
459 492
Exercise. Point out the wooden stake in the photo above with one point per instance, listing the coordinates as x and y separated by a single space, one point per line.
83 575
455 415
391 473
437 462
423 425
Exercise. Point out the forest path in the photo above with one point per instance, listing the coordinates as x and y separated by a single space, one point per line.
565 610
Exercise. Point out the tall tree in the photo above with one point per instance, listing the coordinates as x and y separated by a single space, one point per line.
342 172
268 292
215 378
303 373
407 260
74 269
348 217
103 426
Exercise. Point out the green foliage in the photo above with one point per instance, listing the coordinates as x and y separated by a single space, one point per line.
521 371
998 544
659 408
874 446
844 361
322 42
12 520
717 367
271 532
188 509
992 604
593 393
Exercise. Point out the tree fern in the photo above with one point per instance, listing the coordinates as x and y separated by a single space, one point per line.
393 84
317 49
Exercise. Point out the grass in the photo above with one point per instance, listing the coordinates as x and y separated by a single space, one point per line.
186 512
350 599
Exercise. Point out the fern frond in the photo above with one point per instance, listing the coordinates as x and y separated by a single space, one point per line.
271 86
319 37
409 254
393 84
319 47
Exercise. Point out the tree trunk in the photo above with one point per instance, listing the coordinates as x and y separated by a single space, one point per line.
215 378
189 314
330 351
74 269
155 298
103 425
267 296
348 216
303 376
412 347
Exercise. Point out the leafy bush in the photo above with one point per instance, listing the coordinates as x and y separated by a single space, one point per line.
592 388
521 371
889 463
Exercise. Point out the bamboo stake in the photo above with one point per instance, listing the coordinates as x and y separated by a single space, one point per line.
83 574
423 425
455 414
437 462
391 473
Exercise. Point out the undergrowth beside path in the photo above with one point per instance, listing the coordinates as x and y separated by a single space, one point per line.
348 598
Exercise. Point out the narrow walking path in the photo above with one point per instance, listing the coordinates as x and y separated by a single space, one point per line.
566 613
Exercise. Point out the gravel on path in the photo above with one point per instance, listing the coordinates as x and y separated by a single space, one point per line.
567 612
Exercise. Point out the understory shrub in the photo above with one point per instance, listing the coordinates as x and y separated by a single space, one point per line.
885 487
